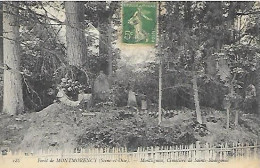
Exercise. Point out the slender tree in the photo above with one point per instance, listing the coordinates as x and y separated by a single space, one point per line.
13 95
196 98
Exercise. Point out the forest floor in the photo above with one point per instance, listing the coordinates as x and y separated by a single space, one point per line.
59 126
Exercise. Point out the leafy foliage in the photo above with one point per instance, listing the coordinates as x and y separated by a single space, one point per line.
202 34
131 131
42 54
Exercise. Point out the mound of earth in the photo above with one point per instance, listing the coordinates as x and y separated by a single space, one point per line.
215 131
59 126
55 127
13 129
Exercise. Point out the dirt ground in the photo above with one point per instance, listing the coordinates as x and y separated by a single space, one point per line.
58 127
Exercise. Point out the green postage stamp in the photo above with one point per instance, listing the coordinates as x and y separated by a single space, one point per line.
139 22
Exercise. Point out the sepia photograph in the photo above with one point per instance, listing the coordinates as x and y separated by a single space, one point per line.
130 84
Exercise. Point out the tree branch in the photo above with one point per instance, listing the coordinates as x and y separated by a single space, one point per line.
37 14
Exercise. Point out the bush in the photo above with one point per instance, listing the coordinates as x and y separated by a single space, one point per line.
131 131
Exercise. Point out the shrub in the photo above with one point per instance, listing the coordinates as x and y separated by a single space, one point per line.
131 131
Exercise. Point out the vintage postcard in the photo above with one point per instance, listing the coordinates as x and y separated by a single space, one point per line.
129 84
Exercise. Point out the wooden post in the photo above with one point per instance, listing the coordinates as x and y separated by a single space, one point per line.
160 71
247 150
226 153
236 145
210 152
221 152
233 150
160 95
156 152
196 97
207 151
198 152
141 153
138 153
190 152
242 150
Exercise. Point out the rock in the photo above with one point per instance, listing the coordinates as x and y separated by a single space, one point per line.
85 99
143 104
131 99
101 87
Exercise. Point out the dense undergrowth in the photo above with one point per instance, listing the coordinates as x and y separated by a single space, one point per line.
58 127
133 130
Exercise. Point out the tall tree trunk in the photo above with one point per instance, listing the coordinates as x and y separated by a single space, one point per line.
13 95
104 28
196 98
75 35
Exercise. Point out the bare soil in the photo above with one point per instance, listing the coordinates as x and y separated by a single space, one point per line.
59 126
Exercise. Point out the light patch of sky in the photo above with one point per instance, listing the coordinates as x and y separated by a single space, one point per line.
130 54
136 54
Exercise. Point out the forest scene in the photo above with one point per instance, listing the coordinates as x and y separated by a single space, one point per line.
68 80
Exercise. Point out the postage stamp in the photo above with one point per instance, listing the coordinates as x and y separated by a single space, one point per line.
139 22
